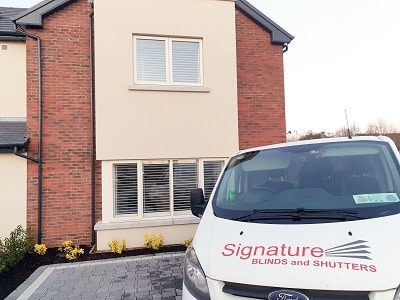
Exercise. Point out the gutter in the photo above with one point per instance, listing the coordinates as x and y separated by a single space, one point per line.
25 156
285 47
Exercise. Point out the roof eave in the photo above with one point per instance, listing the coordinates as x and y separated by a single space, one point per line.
8 33
279 36
13 134
21 146
34 16
11 37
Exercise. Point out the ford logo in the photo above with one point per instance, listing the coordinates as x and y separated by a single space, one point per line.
286 295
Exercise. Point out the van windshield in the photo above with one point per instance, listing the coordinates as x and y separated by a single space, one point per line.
310 183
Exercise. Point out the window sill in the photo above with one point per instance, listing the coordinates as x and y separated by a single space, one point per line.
145 223
168 88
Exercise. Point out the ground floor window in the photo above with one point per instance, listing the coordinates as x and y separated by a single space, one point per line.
148 189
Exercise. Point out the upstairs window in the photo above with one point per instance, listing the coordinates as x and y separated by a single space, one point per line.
167 61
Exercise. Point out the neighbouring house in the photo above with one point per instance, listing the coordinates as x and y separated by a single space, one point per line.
13 134
130 106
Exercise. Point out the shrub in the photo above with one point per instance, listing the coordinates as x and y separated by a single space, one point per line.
153 241
14 248
40 249
117 246
71 252
187 242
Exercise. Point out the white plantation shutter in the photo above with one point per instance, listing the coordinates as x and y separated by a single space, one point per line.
185 179
167 61
156 188
125 189
212 169
185 62
149 189
151 60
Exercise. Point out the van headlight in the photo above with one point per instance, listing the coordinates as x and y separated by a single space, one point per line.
194 277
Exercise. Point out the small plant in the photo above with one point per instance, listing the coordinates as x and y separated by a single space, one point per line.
40 249
14 247
71 252
153 241
187 242
117 246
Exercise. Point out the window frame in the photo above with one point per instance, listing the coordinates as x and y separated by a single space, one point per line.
168 41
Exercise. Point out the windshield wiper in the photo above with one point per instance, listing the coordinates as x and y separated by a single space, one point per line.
300 214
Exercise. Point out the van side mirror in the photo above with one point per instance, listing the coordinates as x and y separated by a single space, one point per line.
197 202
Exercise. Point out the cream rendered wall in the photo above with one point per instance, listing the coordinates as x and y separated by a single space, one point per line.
13 79
12 193
144 124
13 169
158 124
134 236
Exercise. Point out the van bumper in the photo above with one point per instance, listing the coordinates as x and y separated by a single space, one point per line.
215 288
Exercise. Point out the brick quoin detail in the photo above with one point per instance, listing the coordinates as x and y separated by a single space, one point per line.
261 99
66 127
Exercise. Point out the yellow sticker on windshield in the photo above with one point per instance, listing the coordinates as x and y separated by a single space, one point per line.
376 198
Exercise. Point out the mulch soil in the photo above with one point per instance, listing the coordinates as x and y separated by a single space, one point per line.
11 279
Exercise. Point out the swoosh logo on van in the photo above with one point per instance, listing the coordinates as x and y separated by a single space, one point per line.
358 249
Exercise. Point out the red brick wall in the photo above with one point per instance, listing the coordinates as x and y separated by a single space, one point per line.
261 99
66 123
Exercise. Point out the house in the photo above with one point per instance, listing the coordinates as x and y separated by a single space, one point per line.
131 106
13 133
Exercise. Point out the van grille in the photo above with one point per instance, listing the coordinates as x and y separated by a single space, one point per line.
262 292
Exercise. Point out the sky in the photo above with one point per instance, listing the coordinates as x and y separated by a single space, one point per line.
344 59
342 66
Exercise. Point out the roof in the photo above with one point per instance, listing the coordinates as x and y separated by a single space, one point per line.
34 16
13 134
7 26
279 36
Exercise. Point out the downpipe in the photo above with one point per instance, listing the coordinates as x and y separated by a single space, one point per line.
38 160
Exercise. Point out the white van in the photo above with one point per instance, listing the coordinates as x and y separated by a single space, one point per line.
315 219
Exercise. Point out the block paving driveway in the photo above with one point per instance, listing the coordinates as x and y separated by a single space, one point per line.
137 277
